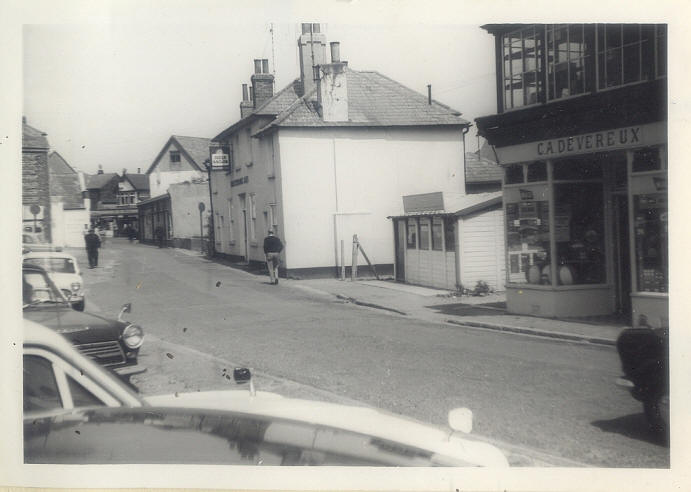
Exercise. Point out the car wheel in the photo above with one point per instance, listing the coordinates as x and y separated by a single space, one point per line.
657 412
78 306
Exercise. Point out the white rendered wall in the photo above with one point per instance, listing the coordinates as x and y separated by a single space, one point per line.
165 172
359 175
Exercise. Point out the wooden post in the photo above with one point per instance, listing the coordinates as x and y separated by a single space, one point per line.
374 270
353 269
342 260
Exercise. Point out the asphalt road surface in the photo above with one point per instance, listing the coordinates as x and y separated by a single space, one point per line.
546 402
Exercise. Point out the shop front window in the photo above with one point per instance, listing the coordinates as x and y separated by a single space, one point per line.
624 54
527 240
411 242
450 233
650 222
513 174
437 234
522 57
647 159
424 233
579 233
568 59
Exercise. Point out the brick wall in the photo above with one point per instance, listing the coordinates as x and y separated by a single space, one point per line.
263 88
35 183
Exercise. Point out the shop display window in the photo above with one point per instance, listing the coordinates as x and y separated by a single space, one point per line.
647 159
569 49
513 174
437 234
578 168
527 241
522 56
537 171
411 242
579 233
424 233
650 222
450 233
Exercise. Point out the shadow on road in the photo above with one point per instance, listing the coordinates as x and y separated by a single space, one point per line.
633 426
461 309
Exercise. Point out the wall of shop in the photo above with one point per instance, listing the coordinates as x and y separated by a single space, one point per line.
482 251
69 226
340 182
184 201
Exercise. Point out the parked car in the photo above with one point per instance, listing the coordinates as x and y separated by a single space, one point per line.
64 271
30 242
113 343
644 355
75 412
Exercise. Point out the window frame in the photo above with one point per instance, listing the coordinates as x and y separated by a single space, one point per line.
175 156
539 48
586 59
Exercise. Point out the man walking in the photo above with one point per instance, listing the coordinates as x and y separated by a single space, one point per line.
93 242
272 249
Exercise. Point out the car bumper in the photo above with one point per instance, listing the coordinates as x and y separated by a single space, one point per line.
129 370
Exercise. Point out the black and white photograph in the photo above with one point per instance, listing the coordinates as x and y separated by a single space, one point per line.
345 245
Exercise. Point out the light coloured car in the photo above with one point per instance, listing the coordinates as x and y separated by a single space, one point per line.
77 412
34 242
64 271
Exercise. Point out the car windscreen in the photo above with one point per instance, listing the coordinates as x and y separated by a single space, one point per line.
37 288
53 265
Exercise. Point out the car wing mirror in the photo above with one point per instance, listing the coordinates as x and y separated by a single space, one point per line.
126 308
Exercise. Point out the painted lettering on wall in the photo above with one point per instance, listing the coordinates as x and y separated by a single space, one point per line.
592 141
239 181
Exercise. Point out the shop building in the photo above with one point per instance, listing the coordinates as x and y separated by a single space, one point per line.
113 200
581 133
328 156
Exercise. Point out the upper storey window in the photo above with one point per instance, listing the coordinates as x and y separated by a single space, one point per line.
624 54
569 52
522 58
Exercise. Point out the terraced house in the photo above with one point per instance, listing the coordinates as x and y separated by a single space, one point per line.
328 156
581 133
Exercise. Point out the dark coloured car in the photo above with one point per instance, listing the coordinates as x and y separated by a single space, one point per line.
644 355
113 343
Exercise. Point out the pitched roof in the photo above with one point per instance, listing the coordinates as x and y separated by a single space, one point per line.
33 138
373 100
63 182
196 149
58 165
139 181
480 167
94 181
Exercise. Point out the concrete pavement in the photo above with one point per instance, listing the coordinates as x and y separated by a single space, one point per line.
442 306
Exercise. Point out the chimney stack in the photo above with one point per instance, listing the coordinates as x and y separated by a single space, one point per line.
262 83
332 89
100 169
312 50
246 106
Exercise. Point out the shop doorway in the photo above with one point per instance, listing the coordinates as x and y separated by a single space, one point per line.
622 257
400 239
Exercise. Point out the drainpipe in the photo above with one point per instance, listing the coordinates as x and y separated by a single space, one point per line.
209 250
465 130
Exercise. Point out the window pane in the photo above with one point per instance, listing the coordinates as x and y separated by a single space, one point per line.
537 171
82 397
40 388
527 239
632 63
579 233
577 169
437 234
514 174
424 233
632 33
647 159
650 218
412 234
661 50
613 61
613 35
450 233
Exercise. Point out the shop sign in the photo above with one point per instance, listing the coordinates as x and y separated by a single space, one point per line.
239 181
220 157
605 140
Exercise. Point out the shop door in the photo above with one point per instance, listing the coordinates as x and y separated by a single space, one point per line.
400 239
622 259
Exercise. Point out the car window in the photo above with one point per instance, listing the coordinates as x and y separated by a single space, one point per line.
82 397
40 387
36 288
55 265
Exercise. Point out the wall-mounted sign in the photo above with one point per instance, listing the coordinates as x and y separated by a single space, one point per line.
239 181
220 157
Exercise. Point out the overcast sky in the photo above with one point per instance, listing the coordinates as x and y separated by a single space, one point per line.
112 93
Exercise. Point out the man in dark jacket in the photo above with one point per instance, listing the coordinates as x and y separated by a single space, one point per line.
93 242
272 249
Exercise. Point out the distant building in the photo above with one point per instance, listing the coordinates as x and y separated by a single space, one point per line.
113 200
581 134
178 183
482 173
70 217
328 156
36 207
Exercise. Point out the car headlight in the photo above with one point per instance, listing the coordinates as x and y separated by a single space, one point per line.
133 336
75 286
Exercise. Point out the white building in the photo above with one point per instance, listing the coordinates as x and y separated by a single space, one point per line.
328 158
69 213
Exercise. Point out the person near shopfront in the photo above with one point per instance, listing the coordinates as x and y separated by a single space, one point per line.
93 242
272 249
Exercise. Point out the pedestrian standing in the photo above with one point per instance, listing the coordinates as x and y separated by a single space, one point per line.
272 249
93 242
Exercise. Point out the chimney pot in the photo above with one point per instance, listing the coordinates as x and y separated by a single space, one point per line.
265 66
315 73
429 94
24 119
245 96
139 170
335 52
257 66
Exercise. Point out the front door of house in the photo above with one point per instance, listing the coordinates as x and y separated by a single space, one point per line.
400 240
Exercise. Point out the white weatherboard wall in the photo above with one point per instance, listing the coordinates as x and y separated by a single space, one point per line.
360 175
68 226
481 240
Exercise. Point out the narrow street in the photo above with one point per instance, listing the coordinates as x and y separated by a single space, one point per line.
553 399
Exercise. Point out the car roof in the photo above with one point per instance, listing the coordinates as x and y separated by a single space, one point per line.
48 254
